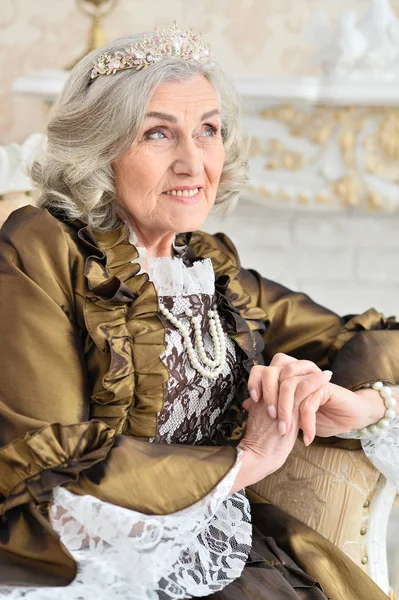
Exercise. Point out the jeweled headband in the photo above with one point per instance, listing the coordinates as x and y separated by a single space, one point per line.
172 42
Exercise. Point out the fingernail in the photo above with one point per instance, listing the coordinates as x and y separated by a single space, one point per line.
282 428
306 440
271 409
254 395
329 373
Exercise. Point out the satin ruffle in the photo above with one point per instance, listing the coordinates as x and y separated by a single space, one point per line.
63 450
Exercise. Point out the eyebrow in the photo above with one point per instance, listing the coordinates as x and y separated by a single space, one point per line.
172 119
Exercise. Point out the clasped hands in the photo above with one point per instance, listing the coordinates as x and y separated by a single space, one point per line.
298 393
289 395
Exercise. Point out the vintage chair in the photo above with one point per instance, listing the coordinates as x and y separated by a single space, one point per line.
341 495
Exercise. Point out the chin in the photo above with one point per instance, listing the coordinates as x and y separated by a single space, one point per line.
191 220
190 223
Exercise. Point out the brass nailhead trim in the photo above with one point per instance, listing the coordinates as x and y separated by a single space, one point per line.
366 504
365 560
363 531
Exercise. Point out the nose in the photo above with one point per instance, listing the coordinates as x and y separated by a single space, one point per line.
188 159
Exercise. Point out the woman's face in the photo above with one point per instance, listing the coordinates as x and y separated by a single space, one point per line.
167 180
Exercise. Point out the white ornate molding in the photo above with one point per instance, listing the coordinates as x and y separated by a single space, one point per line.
46 83
316 90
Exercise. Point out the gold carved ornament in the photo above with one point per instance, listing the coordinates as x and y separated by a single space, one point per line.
372 132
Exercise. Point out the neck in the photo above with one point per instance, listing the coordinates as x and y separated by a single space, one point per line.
156 244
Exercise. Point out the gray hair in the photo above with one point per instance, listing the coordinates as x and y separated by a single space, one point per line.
95 121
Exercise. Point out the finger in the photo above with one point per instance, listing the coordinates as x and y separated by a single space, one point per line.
299 367
255 382
285 403
280 359
293 391
270 389
308 410
263 384
309 384
247 404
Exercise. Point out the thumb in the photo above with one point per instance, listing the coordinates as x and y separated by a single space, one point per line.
247 404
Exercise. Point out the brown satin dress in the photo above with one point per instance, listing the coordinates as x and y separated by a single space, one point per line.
82 384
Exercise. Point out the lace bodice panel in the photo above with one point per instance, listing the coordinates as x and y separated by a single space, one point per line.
194 405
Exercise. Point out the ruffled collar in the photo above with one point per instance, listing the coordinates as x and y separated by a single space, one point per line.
173 276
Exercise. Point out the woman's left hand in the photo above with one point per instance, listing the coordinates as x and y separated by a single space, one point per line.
325 409
341 410
332 410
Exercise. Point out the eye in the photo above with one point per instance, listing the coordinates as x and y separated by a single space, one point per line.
155 134
210 131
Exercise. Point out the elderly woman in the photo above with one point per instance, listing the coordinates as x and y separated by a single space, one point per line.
135 404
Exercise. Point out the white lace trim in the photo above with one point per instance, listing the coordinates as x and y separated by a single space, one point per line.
171 277
383 449
383 452
130 556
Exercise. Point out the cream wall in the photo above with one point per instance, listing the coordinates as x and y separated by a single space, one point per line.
249 38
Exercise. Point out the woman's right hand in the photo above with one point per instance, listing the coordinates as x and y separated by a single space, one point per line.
264 449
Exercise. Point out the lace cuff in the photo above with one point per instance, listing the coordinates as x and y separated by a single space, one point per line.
125 554
383 452
383 449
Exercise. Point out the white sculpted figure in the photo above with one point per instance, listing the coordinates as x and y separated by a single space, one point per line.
360 47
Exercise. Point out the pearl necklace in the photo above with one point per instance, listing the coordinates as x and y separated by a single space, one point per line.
213 368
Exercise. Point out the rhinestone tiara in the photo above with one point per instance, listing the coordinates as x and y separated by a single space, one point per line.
172 42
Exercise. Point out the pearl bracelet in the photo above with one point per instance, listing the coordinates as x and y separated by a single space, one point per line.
390 413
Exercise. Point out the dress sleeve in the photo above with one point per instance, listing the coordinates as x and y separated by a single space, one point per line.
47 438
359 349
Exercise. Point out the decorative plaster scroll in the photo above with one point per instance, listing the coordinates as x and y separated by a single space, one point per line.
326 155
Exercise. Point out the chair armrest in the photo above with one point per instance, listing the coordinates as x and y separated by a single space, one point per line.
342 496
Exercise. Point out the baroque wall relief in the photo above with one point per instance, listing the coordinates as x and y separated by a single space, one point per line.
325 155
332 139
